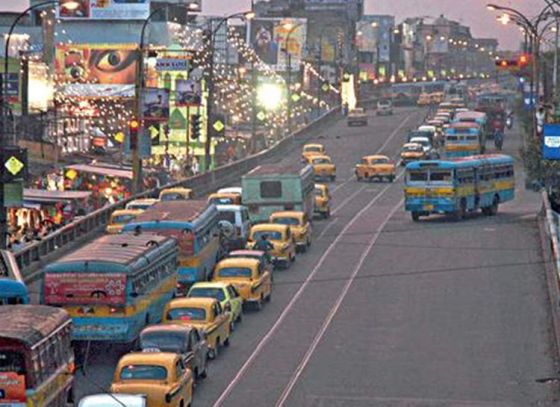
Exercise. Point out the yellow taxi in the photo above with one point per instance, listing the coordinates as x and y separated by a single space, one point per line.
323 167
225 198
175 194
424 99
205 314
322 200
299 226
284 248
251 279
412 152
119 218
311 150
375 167
161 376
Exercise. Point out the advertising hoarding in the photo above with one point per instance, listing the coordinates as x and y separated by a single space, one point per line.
155 104
104 9
96 70
86 288
273 38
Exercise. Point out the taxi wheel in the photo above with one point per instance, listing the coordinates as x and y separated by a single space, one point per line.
333 178
415 216
308 243
269 296
258 305
213 353
226 342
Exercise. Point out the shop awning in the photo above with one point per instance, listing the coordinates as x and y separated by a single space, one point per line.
105 171
43 196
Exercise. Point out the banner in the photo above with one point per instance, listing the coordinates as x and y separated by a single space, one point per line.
155 104
188 92
91 70
104 9
86 288
273 38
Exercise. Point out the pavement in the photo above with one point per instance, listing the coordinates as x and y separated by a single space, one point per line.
382 311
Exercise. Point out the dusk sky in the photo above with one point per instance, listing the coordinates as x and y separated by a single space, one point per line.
470 12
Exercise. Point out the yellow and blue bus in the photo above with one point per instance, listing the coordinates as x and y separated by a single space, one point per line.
36 357
195 225
114 286
463 139
12 287
459 186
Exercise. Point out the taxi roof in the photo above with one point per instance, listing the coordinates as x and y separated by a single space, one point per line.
175 189
143 200
246 253
280 214
411 145
314 157
209 284
238 262
191 302
166 359
226 194
127 212
175 210
313 145
269 226
375 156
171 328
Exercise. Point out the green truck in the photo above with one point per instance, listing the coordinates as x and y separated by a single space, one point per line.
273 188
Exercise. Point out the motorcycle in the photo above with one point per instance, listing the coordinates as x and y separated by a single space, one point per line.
509 122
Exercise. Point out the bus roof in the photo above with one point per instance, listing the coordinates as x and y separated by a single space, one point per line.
9 287
120 249
275 169
31 324
181 211
462 162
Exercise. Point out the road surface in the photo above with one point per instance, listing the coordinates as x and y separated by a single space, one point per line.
386 312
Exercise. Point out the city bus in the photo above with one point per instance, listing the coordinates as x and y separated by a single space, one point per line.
114 286
195 225
36 357
459 186
462 139
479 118
12 287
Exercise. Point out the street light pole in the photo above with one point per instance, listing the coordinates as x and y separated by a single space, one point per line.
138 91
289 78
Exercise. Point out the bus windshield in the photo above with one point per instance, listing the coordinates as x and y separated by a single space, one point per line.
12 362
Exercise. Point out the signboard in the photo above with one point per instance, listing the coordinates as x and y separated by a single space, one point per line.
90 70
273 38
12 385
155 104
104 9
85 288
172 64
551 141
13 83
188 92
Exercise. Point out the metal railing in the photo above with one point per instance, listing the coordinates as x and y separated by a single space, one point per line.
32 257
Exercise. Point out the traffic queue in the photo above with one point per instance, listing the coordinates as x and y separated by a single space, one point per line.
172 279
447 168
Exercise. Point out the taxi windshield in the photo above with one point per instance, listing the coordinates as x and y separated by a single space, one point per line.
271 235
122 219
379 161
207 292
318 192
139 206
287 221
172 196
187 314
143 372
321 161
313 149
235 272
222 200
163 341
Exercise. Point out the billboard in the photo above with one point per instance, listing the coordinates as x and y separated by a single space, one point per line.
155 104
104 9
90 70
273 38
86 288
551 142
188 92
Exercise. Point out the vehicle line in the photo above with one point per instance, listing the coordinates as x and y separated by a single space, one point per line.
380 149
259 347
326 323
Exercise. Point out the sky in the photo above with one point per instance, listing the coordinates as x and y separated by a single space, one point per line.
472 13
469 12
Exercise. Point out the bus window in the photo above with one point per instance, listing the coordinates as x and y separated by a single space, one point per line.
452 138
441 176
11 361
417 176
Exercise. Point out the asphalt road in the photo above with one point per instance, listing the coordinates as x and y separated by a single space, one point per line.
386 312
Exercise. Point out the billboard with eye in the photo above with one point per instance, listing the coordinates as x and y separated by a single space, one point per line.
96 70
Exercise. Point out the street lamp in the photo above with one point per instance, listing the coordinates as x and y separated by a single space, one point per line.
139 87
291 28
246 15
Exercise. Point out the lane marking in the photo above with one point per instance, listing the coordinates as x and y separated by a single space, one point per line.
379 150
258 349
326 323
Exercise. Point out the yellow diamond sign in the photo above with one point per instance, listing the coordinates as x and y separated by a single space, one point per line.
296 97
13 165
325 87
261 116
218 126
